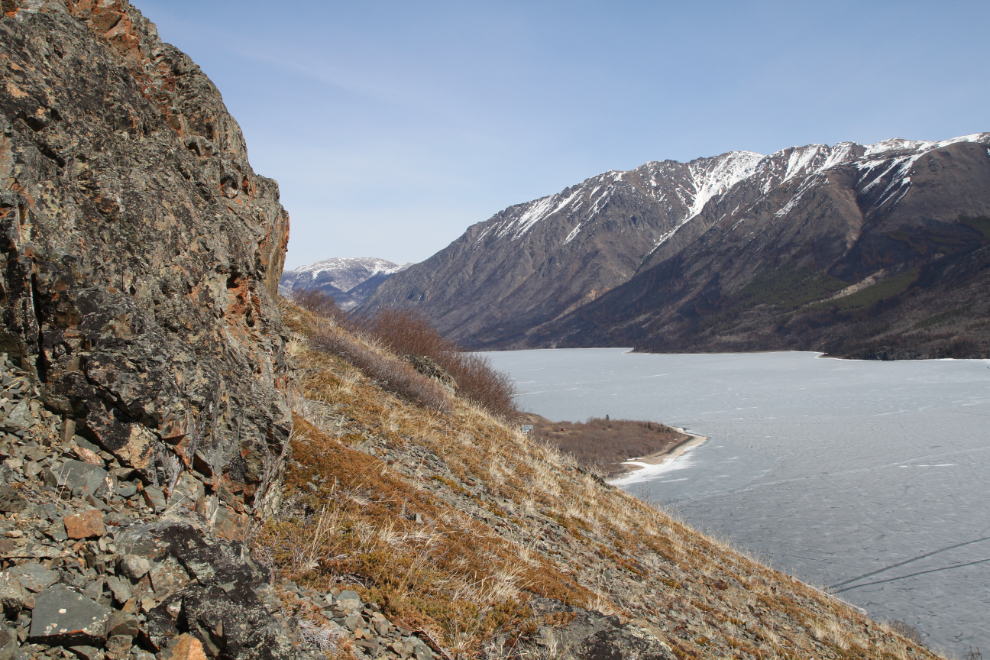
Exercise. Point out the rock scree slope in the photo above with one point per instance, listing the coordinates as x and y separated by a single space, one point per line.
186 475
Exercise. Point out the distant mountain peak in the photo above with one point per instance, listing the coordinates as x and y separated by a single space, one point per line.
350 280
351 271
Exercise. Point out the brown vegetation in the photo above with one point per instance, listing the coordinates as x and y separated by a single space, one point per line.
319 303
389 372
409 335
451 523
602 445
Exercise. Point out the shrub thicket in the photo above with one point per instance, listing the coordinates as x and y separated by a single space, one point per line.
390 373
409 334
321 304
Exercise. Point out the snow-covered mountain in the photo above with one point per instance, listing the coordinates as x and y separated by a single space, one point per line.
515 278
350 280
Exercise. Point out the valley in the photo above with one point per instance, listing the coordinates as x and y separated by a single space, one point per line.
195 466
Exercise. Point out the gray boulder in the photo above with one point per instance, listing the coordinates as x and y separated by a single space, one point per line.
64 617
34 577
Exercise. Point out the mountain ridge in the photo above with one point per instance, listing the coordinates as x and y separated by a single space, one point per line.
508 281
350 280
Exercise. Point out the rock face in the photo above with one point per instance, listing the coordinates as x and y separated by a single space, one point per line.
143 371
350 280
140 253
732 253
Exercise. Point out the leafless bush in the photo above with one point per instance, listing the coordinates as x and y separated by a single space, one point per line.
907 631
391 374
323 637
481 383
321 304
408 333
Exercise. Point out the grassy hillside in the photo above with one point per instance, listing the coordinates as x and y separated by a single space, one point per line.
453 523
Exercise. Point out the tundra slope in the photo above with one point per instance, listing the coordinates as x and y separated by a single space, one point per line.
723 253
503 547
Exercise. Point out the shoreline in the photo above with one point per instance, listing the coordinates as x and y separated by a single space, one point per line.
662 457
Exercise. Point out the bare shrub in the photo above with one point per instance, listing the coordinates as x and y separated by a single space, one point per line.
321 304
324 637
907 631
481 383
390 373
408 333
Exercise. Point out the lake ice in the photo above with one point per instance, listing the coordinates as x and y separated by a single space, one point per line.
868 477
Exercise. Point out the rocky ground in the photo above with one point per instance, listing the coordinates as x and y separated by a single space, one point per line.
97 564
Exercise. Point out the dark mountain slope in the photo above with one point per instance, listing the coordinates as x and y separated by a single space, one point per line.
724 253
533 262
758 280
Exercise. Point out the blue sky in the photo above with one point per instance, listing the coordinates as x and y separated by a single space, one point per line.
393 126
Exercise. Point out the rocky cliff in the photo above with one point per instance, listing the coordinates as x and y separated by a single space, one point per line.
141 253
731 253
139 263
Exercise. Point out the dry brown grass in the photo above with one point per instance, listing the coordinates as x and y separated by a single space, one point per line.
408 334
449 574
389 372
503 519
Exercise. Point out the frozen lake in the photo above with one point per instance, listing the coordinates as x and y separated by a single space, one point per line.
868 477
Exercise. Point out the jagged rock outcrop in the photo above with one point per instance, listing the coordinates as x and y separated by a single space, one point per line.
141 254
727 253
145 373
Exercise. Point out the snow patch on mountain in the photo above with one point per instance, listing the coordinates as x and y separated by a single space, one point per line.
348 272
573 234
340 277
728 170
698 183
